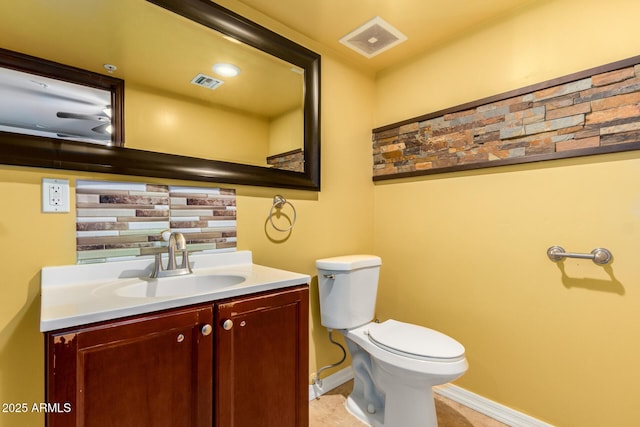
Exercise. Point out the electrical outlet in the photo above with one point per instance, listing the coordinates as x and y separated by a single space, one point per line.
55 195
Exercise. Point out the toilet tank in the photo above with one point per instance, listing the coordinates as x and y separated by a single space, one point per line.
348 286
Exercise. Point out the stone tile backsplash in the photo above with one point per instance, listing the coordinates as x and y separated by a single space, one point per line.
116 220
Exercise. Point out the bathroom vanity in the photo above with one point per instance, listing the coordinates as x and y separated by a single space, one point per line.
235 355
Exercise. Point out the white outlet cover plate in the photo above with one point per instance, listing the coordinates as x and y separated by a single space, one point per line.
61 202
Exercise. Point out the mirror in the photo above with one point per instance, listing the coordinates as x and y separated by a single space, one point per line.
181 130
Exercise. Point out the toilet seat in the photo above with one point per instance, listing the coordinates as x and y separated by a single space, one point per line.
416 342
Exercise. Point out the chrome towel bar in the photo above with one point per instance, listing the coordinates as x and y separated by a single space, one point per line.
599 256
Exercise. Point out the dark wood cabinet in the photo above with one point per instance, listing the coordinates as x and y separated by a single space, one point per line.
241 362
151 370
261 366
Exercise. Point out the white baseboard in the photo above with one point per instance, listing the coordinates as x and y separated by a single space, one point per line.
471 400
330 382
488 407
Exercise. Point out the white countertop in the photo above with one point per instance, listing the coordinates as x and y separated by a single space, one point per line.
76 295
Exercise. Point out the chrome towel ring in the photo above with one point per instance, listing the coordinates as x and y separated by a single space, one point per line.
278 204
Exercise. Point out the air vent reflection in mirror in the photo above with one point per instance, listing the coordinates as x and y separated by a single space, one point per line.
206 81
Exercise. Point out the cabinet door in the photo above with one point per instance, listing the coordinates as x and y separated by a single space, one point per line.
261 368
153 370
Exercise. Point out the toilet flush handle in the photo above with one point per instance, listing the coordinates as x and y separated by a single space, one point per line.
329 276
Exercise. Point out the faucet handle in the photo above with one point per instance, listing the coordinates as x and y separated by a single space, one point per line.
185 260
165 234
157 266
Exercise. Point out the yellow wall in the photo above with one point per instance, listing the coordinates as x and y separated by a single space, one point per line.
286 132
466 252
163 122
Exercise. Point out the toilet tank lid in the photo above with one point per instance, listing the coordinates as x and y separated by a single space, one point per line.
348 262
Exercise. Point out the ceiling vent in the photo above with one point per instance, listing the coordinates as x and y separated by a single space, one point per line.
206 81
373 38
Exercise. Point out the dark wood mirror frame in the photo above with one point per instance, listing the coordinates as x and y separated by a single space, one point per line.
36 151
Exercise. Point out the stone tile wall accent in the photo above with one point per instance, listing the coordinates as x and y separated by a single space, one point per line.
594 114
116 220
291 161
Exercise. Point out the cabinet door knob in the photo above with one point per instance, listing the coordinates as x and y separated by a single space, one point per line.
206 329
227 325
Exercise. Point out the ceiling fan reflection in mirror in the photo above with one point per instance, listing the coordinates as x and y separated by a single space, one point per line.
103 121
53 108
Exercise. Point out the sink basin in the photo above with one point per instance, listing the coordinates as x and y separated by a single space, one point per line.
180 285
81 294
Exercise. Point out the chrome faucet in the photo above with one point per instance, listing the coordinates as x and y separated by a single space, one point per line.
177 243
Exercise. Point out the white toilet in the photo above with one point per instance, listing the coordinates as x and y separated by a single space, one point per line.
395 364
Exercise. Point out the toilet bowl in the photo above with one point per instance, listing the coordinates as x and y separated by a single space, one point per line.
395 364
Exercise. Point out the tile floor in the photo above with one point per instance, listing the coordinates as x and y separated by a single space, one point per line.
329 410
